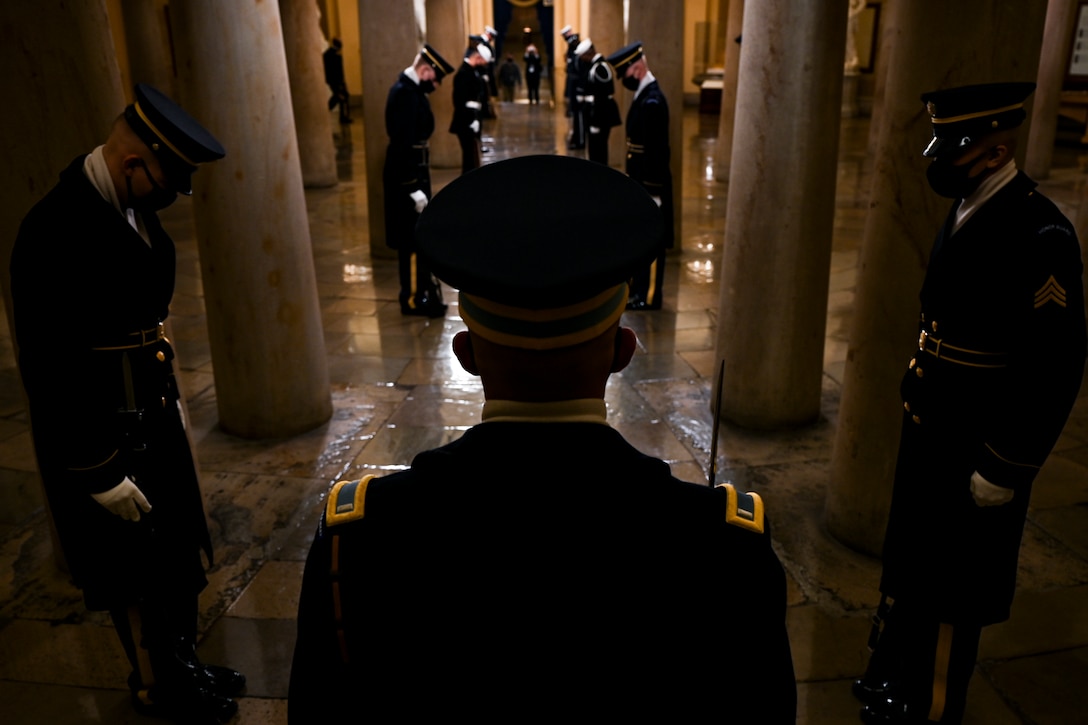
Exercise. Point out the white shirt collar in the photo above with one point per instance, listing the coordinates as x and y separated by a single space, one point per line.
646 80
989 186
410 71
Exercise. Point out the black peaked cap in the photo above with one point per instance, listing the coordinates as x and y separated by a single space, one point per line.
560 230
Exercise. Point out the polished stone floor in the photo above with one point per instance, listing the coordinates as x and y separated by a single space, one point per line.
397 389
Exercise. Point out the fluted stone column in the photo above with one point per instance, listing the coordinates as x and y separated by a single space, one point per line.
303 45
660 27
446 33
606 32
389 34
780 212
938 44
256 260
723 155
147 42
1060 16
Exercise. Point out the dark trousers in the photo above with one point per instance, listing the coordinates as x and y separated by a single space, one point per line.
598 146
340 99
929 663
418 287
533 89
647 286
159 638
470 151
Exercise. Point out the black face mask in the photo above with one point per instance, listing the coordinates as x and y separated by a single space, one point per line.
947 179
630 83
158 198
427 86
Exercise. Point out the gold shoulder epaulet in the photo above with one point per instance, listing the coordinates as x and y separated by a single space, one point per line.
347 501
743 509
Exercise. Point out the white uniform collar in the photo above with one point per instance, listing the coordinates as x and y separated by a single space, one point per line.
410 71
646 80
585 410
989 186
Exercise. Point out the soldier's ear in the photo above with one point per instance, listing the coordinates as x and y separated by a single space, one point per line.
624 350
462 348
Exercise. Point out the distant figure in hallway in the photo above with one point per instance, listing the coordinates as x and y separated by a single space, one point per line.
540 565
469 96
509 79
576 136
648 160
406 177
986 393
534 68
105 407
334 77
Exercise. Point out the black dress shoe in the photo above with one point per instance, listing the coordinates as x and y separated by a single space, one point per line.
871 691
188 706
219 680
888 712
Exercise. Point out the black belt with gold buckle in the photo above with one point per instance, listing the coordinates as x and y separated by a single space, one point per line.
133 340
941 350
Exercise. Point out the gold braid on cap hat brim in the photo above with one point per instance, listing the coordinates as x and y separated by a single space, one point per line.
979 114
162 137
546 329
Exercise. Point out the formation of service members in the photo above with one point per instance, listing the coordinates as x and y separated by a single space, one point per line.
105 409
600 112
469 96
998 366
495 580
406 177
648 162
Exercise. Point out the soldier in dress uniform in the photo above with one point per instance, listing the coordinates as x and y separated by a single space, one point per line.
599 107
540 565
105 408
986 393
647 162
576 138
406 177
469 95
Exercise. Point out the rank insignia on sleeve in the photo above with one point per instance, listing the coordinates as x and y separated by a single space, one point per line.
743 509
346 501
1050 292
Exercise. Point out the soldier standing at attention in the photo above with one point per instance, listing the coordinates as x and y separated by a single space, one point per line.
406 177
105 407
513 585
469 94
600 108
985 395
647 162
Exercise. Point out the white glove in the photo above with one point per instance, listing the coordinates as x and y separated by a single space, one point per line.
474 105
657 200
420 199
594 129
988 494
475 126
124 499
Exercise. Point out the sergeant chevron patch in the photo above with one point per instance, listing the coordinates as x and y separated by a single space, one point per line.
1050 292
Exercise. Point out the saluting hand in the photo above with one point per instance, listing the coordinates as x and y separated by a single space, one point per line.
125 499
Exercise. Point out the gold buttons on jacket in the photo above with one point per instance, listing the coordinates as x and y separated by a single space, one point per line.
912 363
918 372
906 406
160 356
934 325
916 419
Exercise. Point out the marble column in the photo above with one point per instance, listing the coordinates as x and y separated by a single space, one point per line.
147 41
938 44
390 36
1057 38
660 27
303 45
606 32
260 291
780 212
723 155
447 34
